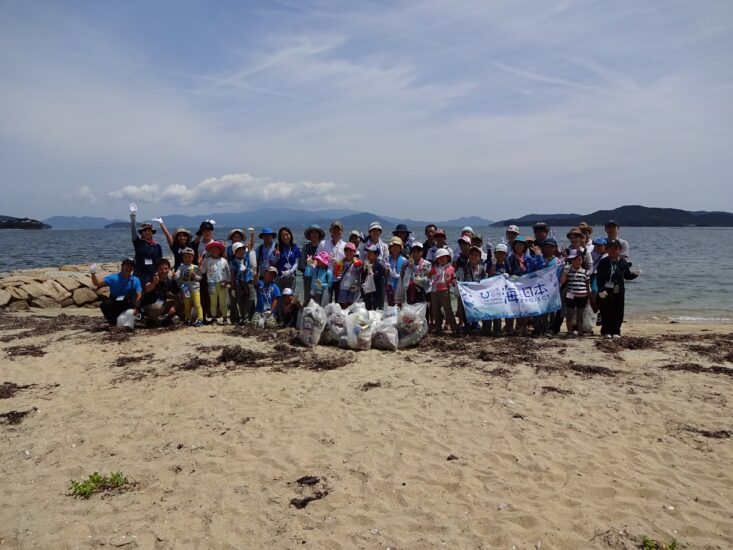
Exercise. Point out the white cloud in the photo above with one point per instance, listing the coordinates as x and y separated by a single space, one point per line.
240 191
85 193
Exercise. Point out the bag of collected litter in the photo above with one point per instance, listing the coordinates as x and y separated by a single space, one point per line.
358 328
314 321
264 320
368 287
412 325
386 336
126 319
335 324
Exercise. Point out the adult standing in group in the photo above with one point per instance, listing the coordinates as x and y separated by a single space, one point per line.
541 232
314 235
147 252
375 239
612 228
177 242
125 290
204 237
333 246
429 243
285 259
511 233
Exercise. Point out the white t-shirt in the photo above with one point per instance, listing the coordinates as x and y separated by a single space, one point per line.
336 251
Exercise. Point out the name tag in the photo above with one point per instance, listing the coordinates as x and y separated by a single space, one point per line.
148 261
119 298
159 302
609 284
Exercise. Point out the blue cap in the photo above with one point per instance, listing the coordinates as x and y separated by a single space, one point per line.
519 239
600 240
267 231
551 241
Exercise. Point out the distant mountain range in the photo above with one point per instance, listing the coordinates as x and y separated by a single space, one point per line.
270 217
630 216
9 222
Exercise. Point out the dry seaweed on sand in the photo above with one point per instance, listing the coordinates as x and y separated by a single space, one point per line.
578 369
370 386
125 360
34 325
242 356
316 362
713 434
193 362
313 484
16 417
26 351
9 389
698 369
555 389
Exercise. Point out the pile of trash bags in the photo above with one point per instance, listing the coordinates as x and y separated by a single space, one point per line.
358 329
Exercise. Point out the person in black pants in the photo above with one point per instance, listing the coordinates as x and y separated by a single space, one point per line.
613 270
125 290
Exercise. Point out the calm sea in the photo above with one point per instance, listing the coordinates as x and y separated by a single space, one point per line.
686 271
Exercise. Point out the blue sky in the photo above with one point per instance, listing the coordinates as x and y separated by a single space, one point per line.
430 109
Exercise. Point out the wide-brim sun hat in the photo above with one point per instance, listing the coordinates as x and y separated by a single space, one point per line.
205 226
575 231
441 252
216 244
146 226
314 227
512 229
501 247
401 228
375 225
233 231
396 241
541 225
237 246
584 227
179 231
267 231
323 257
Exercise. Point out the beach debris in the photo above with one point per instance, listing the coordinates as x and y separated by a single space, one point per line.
698 369
555 389
9 389
370 386
452 457
242 356
713 434
125 360
586 371
315 485
27 351
16 417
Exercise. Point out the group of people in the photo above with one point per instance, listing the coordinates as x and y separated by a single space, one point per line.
215 282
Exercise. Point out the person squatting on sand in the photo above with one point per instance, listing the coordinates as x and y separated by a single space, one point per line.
240 279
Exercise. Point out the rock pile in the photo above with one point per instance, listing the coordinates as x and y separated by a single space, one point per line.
48 288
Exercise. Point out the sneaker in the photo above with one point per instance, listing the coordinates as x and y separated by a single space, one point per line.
198 323
575 334
607 336
616 336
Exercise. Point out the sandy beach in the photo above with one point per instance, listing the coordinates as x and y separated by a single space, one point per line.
463 443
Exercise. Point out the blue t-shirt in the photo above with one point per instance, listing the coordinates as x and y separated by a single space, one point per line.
265 295
119 286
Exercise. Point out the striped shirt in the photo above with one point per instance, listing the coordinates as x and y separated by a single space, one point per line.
577 282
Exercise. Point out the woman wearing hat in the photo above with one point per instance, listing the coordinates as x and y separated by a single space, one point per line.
395 261
177 242
375 239
265 250
147 252
403 233
285 259
314 236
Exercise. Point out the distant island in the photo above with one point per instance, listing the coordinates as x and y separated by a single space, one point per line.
630 216
9 222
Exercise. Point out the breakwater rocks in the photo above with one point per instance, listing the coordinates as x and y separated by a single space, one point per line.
52 288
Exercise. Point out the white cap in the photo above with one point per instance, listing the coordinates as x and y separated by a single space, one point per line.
375 225
237 246
501 248
417 244
512 229
287 292
442 252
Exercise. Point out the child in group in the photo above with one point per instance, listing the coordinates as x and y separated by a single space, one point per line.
218 277
598 252
442 278
268 293
613 270
347 273
543 323
460 257
473 272
519 263
320 277
477 240
237 236
373 300
315 235
576 296
288 309
439 240
189 279
265 250
242 306
356 239
395 262
415 281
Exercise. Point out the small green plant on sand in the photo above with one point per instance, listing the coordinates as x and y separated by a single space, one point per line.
97 483
651 544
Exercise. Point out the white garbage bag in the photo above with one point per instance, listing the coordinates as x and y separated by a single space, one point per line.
358 328
385 335
126 319
412 324
314 321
